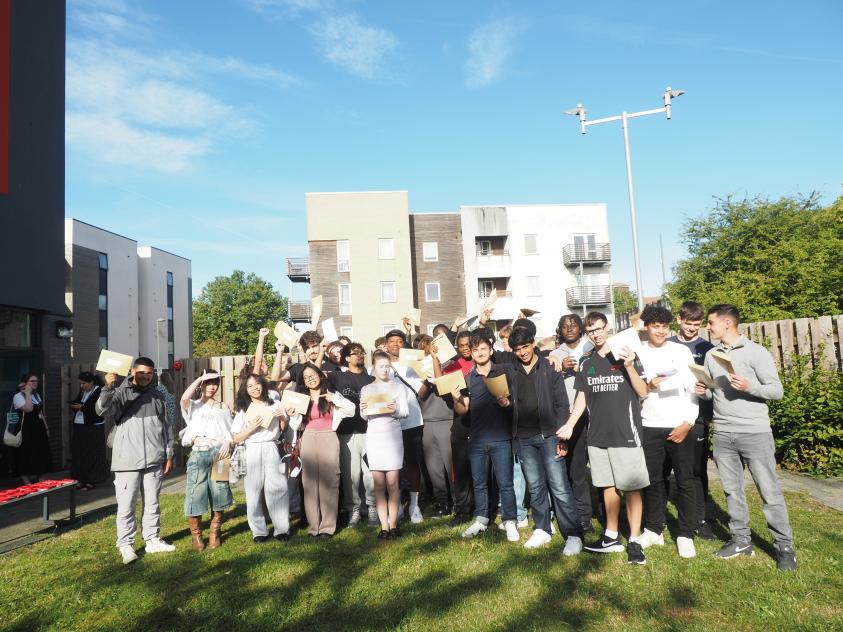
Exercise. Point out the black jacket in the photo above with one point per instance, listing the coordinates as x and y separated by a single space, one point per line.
90 415
554 408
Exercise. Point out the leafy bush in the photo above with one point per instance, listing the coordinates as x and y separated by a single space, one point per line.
808 421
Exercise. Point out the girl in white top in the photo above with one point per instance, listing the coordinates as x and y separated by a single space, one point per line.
264 470
384 443
208 435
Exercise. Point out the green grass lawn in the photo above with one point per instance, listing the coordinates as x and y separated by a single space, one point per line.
430 579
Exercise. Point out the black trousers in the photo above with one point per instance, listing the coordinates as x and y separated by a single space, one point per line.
577 463
463 488
699 435
656 448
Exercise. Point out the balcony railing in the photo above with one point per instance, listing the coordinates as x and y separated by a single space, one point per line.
494 266
299 311
574 254
500 294
298 269
589 295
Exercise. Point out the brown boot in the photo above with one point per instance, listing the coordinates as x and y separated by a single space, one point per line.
195 523
216 525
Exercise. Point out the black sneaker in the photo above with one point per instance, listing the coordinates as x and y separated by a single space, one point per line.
734 548
383 535
605 545
786 558
635 554
394 533
260 538
704 531
282 537
459 519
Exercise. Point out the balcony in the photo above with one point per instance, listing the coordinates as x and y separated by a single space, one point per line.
575 254
588 295
298 269
299 311
494 266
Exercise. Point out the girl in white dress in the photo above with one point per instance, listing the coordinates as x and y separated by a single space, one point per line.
384 443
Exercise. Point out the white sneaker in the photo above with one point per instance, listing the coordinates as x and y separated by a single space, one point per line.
416 515
511 531
649 538
573 546
538 539
354 519
476 528
686 547
522 524
157 545
128 554
373 520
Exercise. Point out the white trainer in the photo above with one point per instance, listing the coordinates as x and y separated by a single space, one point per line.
573 546
416 515
522 524
354 518
476 528
511 531
128 554
157 545
538 539
686 547
649 538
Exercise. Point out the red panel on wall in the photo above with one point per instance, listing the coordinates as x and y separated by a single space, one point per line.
5 45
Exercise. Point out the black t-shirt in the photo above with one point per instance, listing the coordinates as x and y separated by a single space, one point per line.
614 410
349 385
295 372
528 402
329 366
699 348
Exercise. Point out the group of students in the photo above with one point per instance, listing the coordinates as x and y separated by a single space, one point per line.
570 417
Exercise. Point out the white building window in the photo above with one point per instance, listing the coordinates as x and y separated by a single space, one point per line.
346 331
484 288
345 299
343 255
483 247
530 245
388 292
430 250
387 328
431 292
386 249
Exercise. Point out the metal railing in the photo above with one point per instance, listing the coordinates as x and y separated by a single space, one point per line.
299 311
589 295
573 254
299 268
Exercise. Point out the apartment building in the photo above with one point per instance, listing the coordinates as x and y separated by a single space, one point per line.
125 298
550 258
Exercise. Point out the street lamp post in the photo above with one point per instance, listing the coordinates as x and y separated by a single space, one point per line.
158 322
579 111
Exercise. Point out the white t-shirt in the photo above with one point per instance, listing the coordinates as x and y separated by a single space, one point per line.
564 351
675 401
414 417
264 434
19 400
207 425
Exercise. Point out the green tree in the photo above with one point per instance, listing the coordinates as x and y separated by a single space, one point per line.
230 311
624 300
772 259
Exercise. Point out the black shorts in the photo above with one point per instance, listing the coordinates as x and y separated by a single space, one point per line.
413 445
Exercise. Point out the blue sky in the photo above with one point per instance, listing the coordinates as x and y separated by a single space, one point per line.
197 127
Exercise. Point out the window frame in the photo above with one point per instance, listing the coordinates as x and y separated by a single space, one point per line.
343 312
394 291
438 298
535 250
347 258
435 257
383 241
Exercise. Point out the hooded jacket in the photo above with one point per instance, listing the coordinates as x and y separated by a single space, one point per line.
551 394
142 437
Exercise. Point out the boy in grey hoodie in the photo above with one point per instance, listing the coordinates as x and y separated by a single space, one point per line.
142 454
742 433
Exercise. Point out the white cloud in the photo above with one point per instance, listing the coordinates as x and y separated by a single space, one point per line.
285 8
490 46
353 46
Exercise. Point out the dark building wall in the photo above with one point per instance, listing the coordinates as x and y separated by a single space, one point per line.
325 280
84 288
448 271
32 213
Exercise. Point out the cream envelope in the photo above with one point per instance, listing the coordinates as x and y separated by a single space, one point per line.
329 330
415 316
113 362
450 382
286 334
407 356
261 410
702 375
293 399
377 403
445 350
497 386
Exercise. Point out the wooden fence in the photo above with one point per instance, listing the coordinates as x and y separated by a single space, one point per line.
817 339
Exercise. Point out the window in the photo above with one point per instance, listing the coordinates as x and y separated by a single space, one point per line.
103 342
586 245
430 250
170 327
387 328
345 299
431 292
386 249
388 292
169 279
533 286
483 247
343 255
102 300
346 331
530 245
169 313
103 259
484 288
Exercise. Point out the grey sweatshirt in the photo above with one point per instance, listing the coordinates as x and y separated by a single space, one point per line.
736 411
142 439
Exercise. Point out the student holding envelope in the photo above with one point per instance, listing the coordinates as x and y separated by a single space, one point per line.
320 449
208 435
264 474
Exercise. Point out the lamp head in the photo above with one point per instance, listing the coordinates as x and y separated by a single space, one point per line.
578 111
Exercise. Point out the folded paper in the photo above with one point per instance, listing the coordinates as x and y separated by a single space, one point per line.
293 399
450 382
113 362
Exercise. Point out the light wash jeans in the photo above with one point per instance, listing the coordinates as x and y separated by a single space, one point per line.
757 450
200 489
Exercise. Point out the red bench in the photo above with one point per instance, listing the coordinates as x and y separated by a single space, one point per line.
42 490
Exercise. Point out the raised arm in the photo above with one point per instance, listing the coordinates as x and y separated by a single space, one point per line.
262 334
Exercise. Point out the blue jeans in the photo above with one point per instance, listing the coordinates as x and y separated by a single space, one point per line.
758 451
545 472
499 453
520 486
200 489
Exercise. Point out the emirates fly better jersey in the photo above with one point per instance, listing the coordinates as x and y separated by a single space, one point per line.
614 411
